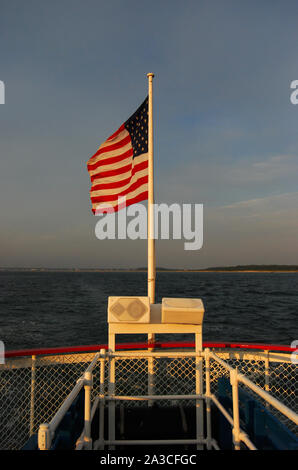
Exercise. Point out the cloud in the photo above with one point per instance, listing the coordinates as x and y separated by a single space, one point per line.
267 222
272 169
270 204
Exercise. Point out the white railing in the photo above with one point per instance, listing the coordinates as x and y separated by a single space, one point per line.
33 386
235 378
47 430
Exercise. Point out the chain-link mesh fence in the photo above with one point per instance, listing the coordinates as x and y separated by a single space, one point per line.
276 374
32 389
169 376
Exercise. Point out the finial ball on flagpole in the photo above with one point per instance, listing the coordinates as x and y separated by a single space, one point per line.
150 74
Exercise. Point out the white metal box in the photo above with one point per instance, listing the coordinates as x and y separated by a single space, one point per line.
129 310
180 310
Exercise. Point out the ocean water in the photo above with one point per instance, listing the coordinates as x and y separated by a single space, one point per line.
49 309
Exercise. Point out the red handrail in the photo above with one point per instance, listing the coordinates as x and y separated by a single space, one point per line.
125 346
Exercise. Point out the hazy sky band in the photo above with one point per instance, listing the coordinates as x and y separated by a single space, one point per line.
225 128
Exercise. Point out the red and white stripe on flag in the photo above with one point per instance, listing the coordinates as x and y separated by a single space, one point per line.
119 168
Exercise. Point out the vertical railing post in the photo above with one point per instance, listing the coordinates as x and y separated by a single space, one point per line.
87 427
32 398
236 426
267 371
199 390
150 379
111 390
267 374
208 399
102 399
44 437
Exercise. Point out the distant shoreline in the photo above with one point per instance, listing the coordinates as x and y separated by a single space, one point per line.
289 269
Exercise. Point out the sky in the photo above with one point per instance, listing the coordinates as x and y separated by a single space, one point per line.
225 129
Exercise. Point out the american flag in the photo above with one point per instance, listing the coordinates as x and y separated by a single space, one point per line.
119 168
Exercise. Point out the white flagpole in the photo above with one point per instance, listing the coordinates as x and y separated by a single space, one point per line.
150 228
151 241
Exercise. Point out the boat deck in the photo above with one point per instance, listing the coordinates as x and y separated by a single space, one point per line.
219 398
